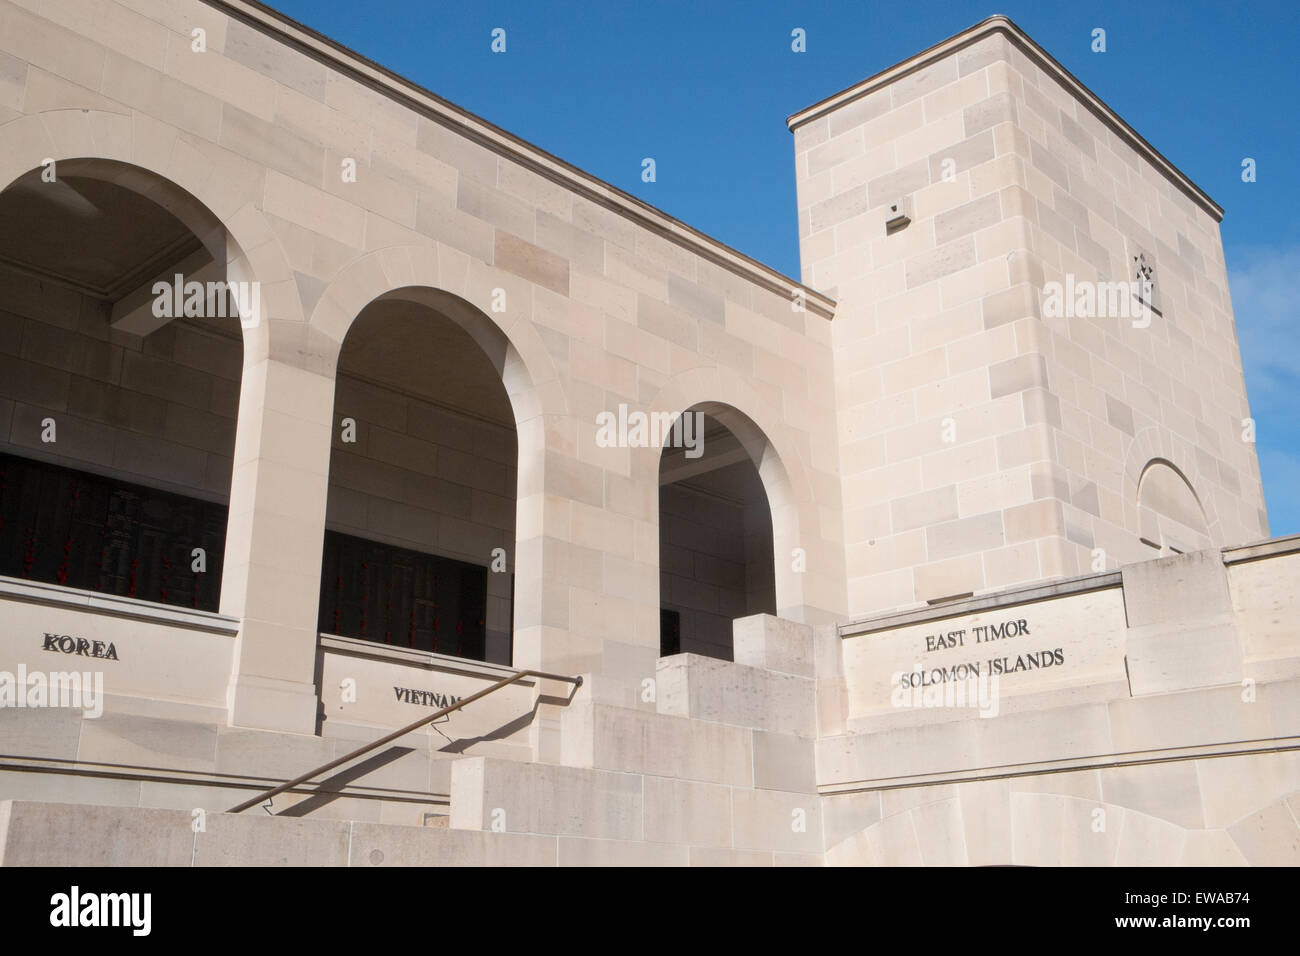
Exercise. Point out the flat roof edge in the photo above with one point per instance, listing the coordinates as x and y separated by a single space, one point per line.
427 103
1003 24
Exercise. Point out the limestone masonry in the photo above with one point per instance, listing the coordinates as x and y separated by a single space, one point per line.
326 405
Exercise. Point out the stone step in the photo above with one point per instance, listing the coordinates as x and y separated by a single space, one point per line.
708 689
607 808
604 737
79 835
82 835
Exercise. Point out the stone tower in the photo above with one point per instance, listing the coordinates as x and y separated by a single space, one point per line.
987 435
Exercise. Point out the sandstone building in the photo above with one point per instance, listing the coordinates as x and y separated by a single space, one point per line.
305 382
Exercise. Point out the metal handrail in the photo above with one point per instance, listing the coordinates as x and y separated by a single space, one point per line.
339 761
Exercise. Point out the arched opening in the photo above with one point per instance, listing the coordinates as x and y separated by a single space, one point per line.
420 520
715 535
119 384
1171 518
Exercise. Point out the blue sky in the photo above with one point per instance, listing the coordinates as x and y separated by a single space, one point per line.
705 88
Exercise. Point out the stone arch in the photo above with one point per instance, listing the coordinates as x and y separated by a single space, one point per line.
463 290
128 148
1155 445
1170 513
193 182
726 396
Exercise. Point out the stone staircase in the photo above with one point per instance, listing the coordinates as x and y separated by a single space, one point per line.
719 772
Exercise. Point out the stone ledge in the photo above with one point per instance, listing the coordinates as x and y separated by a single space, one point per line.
66 834
69 834
1269 547
1100 762
1159 727
429 660
77 599
1015 596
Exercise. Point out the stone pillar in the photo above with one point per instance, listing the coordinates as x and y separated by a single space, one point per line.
1182 631
274 540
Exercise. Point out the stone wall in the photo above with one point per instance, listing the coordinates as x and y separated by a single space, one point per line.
1166 735
1120 393
1189 813
608 301
718 771
745 763
976 445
